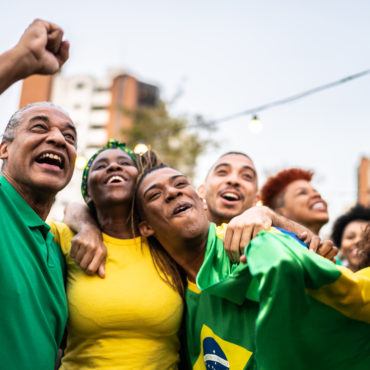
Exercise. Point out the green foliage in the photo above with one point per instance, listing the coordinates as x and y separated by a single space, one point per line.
171 137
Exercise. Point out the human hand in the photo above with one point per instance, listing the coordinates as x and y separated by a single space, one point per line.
324 248
42 48
89 251
243 228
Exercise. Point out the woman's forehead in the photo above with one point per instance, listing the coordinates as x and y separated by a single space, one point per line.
112 153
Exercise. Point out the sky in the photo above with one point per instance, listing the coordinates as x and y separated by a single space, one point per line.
226 57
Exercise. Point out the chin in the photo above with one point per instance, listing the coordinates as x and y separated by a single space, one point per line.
192 230
324 219
227 216
51 185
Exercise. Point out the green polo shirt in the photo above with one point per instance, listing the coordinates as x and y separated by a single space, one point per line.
33 306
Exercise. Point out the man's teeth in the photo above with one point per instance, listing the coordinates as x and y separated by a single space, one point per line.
181 209
115 179
51 156
231 196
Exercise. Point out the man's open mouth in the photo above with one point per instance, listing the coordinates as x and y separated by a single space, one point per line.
51 158
230 196
182 207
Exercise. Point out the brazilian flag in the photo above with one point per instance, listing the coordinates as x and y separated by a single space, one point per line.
312 313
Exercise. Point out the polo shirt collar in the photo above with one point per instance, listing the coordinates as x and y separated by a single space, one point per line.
30 217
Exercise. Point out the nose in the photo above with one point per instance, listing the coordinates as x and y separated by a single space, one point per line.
172 193
315 194
357 239
56 137
233 179
113 166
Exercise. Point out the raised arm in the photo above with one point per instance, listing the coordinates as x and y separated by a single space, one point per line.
87 248
246 226
40 50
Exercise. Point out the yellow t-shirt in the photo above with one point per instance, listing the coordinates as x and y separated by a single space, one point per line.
129 320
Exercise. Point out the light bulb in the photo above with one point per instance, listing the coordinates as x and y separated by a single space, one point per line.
140 148
255 126
81 162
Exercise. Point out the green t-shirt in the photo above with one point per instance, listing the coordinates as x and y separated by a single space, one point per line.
33 309
220 332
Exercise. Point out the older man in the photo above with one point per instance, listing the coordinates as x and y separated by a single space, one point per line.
38 150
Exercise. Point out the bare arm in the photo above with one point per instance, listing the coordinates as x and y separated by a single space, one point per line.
40 50
324 248
87 248
243 228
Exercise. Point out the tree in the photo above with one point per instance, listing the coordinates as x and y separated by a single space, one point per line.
177 140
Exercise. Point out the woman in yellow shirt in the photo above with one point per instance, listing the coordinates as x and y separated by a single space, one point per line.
131 318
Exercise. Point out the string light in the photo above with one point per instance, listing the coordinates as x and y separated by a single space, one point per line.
140 148
81 162
253 111
255 125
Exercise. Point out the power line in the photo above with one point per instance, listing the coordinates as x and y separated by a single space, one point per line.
288 99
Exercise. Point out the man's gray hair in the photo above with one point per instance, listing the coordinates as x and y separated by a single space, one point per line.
16 118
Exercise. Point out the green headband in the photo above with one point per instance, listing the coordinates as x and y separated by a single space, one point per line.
111 144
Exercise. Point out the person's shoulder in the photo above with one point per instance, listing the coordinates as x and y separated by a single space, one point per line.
365 272
63 235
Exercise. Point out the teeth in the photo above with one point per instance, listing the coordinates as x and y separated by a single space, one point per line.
318 205
52 156
181 209
115 179
231 195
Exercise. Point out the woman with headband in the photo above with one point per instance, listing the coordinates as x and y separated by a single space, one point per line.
131 318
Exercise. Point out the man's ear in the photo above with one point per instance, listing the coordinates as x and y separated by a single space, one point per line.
257 200
4 149
202 195
201 191
145 229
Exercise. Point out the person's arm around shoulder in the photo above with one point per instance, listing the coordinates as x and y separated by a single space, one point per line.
40 50
87 247
243 228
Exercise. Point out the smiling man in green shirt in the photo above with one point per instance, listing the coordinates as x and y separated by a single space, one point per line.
38 150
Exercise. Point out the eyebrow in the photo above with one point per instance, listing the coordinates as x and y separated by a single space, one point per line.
119 157
224 164
156 185
46 120
250 168
221 165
